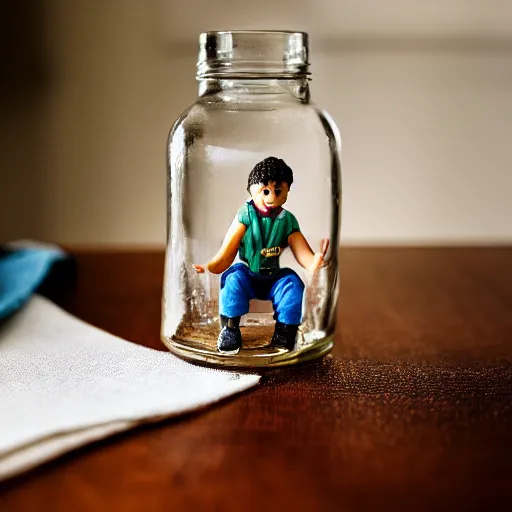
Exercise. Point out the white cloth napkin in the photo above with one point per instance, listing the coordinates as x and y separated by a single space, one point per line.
64 383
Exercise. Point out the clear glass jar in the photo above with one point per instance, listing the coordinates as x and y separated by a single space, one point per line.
254 190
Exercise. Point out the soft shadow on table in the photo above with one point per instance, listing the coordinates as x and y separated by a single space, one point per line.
435 379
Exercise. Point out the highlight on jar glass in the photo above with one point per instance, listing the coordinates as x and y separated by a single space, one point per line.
254 197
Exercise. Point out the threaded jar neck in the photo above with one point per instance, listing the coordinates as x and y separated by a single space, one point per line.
253 54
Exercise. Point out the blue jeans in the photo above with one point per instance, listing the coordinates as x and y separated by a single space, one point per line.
238 285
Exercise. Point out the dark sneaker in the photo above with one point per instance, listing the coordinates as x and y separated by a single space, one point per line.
284 336
230 337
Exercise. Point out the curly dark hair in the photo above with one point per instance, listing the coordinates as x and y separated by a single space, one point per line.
270 169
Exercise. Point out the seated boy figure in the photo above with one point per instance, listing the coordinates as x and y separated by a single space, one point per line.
259 233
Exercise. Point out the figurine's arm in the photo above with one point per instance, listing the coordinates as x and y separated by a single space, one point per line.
223 259
304 254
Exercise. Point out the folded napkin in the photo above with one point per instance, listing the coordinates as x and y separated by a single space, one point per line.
64 383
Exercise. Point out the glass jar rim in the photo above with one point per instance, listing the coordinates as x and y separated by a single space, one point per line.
253 54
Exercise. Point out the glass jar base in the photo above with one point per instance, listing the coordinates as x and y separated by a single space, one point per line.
257 357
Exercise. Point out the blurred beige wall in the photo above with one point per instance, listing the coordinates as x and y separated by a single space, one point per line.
422 96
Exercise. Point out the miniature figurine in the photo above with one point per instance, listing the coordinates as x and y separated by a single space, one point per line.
259 233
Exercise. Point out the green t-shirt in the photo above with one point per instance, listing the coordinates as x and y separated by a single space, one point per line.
265 238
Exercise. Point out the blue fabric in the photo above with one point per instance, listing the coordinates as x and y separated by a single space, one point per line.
21 272
239 285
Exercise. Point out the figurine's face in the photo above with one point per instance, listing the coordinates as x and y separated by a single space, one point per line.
269 196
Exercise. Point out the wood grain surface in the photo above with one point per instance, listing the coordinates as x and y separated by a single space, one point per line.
412 411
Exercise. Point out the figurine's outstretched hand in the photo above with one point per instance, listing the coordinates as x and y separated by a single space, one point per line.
303 253
200 269
319 257
324 246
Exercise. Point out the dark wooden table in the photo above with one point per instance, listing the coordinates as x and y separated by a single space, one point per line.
413 410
